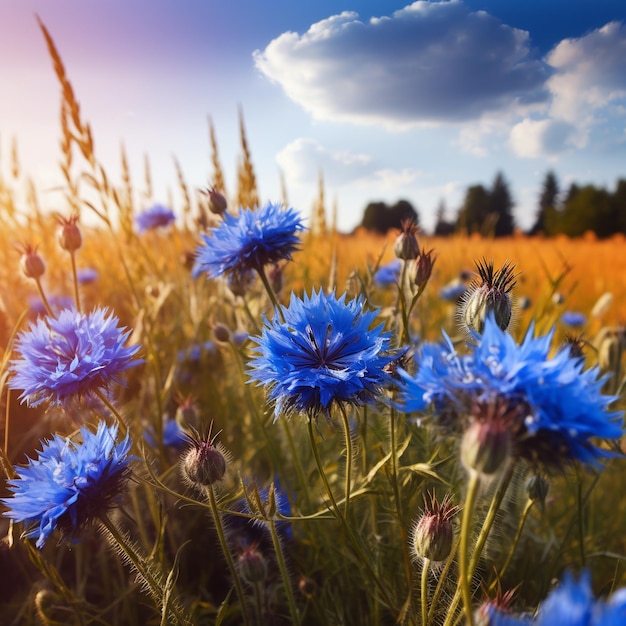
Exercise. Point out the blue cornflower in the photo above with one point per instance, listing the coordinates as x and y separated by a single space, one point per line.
453 291
323 353
573 318
87 275
552 406
249 241
156 216
70 355
57 303
69 484
388 274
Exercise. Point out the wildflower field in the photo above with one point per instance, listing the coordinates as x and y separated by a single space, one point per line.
219 415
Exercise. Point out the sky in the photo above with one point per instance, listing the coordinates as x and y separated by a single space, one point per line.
388 99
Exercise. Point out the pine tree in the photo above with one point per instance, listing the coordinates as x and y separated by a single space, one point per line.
548 203
501 207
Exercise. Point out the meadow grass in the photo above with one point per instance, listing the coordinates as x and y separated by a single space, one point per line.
232 516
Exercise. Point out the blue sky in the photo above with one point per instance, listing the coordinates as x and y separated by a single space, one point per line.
388 99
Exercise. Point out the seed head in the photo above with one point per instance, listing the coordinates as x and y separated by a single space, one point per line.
31 263
490 293
433 534
68 234
406 246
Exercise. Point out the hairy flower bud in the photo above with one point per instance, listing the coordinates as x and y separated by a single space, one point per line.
490 295
433 534
31 263
485 446
406 246
537 488
252 565
68 234
204 463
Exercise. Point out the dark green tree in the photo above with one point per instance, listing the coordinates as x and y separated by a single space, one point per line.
473 216
380 217
548 203
501 207
587 208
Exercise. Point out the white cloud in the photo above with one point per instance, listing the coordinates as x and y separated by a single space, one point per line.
547 137
587 88
590 73
426 63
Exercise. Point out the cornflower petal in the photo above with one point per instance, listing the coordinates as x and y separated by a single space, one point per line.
559 406
72 354
249 241
324 353
69 484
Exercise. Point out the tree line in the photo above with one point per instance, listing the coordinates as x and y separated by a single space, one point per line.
489 211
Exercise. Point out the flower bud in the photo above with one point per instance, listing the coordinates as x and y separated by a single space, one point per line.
609 350
406 246
221 332
537 488
433 533
217 201
187 413
252 565
491 295
31 263
68 235
204 463
422 268
485 446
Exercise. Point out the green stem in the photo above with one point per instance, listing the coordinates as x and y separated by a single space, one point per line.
75 280
349 455
143 569
42 295
114 411
482 537
518 534
354 540
398 499
270 292
443 576
424 591
227 555
280 557
465 575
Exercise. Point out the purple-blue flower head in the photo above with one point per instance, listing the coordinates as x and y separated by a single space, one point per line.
156 216
573 318
324 353
249 241
572 603
555 406
87 275
388 274
69 483
70 355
